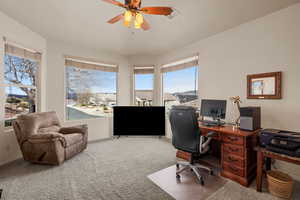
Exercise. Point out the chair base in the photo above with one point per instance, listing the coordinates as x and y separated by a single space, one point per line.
194 168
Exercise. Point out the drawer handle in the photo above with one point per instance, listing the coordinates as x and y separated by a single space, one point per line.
233 169
232 159
233 149
233 139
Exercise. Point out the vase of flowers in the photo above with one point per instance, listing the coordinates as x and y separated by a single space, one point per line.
236 100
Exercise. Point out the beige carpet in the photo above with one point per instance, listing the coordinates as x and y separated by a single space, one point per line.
108 170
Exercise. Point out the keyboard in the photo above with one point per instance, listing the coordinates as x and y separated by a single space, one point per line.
212 123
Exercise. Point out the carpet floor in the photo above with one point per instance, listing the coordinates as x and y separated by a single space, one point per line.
108 170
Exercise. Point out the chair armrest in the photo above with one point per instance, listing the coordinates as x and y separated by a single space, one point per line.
211 134
74 129
46 138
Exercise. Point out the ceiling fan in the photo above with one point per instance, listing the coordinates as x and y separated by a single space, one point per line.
134 13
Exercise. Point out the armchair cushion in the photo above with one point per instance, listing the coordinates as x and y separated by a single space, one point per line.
48 129
73 139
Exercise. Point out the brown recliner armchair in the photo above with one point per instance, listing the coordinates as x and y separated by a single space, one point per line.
42 140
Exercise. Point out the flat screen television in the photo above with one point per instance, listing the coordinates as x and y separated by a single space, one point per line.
139 121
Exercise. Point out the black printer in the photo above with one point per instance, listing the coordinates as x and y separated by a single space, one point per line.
279 141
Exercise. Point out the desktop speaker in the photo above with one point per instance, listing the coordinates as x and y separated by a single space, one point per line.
250 118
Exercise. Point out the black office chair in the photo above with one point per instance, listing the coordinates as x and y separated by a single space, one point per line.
186 137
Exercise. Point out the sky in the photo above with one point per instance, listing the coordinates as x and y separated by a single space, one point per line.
144 81
181 80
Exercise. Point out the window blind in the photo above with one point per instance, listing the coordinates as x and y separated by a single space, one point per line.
147 69
13 50
85 64
181 64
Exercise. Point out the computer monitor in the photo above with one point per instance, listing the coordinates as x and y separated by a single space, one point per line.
213 108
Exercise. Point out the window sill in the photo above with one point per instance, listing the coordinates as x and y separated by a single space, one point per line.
86 120
8 130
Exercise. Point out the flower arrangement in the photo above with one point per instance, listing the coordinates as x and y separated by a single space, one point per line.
236 100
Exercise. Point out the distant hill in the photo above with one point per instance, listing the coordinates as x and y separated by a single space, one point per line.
192 92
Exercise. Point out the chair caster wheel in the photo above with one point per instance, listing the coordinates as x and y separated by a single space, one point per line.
177 176
211 173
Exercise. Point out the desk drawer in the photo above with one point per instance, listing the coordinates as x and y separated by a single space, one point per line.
233 139
233 149
233 160
233 169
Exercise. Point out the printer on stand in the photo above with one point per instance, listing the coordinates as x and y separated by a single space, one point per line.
279 141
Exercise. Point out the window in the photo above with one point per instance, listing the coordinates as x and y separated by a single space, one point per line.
180 83
21 67
143 83
90 89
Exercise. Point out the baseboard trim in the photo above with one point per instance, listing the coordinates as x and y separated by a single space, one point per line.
99 140
8 163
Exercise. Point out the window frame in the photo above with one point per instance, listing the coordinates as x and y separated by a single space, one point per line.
134 82
4 85
169 64
66 57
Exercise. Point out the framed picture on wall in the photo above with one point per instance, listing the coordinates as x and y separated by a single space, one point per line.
264 86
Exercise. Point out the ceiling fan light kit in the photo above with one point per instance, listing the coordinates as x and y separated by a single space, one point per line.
134 10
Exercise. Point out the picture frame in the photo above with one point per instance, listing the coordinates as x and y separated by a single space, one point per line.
264 86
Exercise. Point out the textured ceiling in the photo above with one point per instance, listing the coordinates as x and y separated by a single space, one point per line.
83 22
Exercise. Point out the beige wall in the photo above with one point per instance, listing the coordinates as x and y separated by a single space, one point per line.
55 93
268 44
21 35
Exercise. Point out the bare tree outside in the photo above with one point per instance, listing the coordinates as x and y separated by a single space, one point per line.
20 80
80 83
86 95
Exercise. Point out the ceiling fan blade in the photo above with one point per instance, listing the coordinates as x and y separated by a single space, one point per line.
115 3
145 26
157 10
115 19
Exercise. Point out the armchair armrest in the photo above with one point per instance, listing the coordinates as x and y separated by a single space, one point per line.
46 138
74 129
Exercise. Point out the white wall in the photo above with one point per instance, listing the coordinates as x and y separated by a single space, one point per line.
268 44
15 32
98 128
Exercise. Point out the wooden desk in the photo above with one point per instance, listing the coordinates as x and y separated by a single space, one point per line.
238 158
265 156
